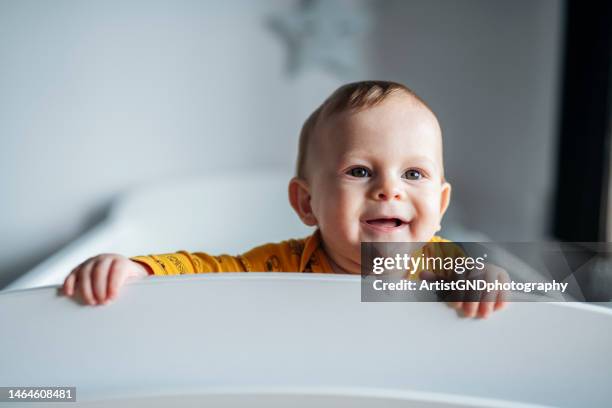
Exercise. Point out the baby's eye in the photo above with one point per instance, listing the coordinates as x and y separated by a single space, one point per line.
413 174
359 172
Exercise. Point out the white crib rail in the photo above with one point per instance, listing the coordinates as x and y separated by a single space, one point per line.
266 339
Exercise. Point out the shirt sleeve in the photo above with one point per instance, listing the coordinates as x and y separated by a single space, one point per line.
184 263
274 257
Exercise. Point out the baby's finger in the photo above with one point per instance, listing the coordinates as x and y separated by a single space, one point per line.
71 279
85 284
485 308
470 308
99 276
116 279
487 301
500 302
68 288
456 305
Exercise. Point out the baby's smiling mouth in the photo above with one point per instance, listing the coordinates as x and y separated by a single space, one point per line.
385 224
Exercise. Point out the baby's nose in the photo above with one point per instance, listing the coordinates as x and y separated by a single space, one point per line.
389 195
388 190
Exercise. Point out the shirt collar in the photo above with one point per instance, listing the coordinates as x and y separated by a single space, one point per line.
312 248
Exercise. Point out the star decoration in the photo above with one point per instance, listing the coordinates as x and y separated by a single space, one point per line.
323 33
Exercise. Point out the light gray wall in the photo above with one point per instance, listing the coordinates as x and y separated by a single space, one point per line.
490 70
97 97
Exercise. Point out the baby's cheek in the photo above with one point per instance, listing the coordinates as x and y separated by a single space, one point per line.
334 220
345 218
428 218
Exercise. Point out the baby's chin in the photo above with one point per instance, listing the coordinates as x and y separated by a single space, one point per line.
395 236
390 237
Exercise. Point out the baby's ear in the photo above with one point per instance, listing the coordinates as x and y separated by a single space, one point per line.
444 202
445 195
299 197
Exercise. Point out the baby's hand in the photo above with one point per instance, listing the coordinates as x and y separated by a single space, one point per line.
473 303
99 279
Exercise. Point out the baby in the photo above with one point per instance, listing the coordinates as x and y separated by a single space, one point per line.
369 168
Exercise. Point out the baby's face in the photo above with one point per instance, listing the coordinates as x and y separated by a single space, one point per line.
376 175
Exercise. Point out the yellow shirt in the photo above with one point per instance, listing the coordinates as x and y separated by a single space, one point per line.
294 255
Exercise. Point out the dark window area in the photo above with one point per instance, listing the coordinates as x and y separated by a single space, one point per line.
582 187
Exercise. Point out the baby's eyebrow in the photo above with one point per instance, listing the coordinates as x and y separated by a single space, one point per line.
355 156
421 158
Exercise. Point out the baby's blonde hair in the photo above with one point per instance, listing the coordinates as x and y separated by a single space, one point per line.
353 96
